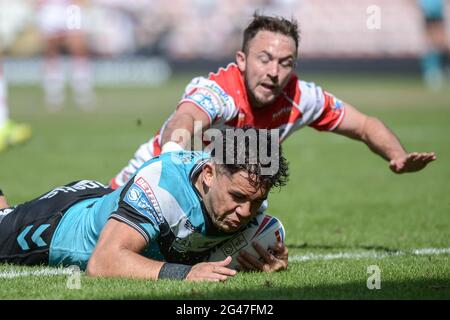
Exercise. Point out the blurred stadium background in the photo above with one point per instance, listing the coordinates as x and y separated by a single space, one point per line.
347 202
144 41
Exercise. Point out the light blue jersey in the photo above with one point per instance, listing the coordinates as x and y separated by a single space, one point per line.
160 202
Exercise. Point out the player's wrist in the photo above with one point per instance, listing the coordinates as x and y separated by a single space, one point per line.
174 271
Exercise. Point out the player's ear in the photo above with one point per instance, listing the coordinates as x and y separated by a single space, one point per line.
241 60
209 174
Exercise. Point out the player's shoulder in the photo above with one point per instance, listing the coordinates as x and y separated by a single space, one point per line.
230 71
309 92
182 161
165 185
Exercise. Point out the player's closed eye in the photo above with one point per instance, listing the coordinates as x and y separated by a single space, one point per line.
287 64
264 59
238 197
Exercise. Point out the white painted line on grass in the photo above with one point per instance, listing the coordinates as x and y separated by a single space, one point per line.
296 258
41 272
371 254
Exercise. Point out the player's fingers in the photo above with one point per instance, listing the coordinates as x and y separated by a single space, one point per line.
218 277
207 276
223 271
222 263
246 266
279 247
428 157
279 250
266 255
210 275
256 263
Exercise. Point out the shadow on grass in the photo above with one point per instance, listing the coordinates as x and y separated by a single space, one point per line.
437 288
305 245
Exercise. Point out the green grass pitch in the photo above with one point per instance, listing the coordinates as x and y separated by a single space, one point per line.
343 209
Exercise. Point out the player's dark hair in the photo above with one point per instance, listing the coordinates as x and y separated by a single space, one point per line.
270 23
257 152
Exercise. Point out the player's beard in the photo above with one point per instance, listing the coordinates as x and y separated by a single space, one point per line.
223 225
255 100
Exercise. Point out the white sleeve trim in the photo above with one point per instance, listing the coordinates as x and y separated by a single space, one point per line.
184 100
338 122
131 224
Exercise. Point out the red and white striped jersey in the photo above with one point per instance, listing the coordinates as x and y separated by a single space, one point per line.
223 97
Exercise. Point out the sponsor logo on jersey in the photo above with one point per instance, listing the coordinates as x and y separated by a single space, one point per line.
335 103
224 97
195 242
141 197
191 242
234 245
211 97
281 112
145 186
206 99
82 185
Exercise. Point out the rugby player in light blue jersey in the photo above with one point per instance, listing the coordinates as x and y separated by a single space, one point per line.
162 224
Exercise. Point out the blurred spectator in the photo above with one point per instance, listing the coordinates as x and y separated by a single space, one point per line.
437 50
210 29
61 26
11 133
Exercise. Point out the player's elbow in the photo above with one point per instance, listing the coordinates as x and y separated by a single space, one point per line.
96 266
93 269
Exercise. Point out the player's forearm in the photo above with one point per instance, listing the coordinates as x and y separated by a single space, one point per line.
381 140
179 129
123 263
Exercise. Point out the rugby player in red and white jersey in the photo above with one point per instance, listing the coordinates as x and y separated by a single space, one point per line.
261 90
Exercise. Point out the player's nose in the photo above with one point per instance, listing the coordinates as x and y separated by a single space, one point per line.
272 70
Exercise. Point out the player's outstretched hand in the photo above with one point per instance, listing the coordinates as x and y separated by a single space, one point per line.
211 271
412 162
271 262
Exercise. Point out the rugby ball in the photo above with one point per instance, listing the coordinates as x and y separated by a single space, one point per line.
264 229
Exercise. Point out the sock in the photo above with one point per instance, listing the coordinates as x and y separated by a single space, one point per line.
432 69
54 81
81 81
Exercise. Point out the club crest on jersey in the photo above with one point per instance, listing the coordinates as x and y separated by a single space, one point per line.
141 197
